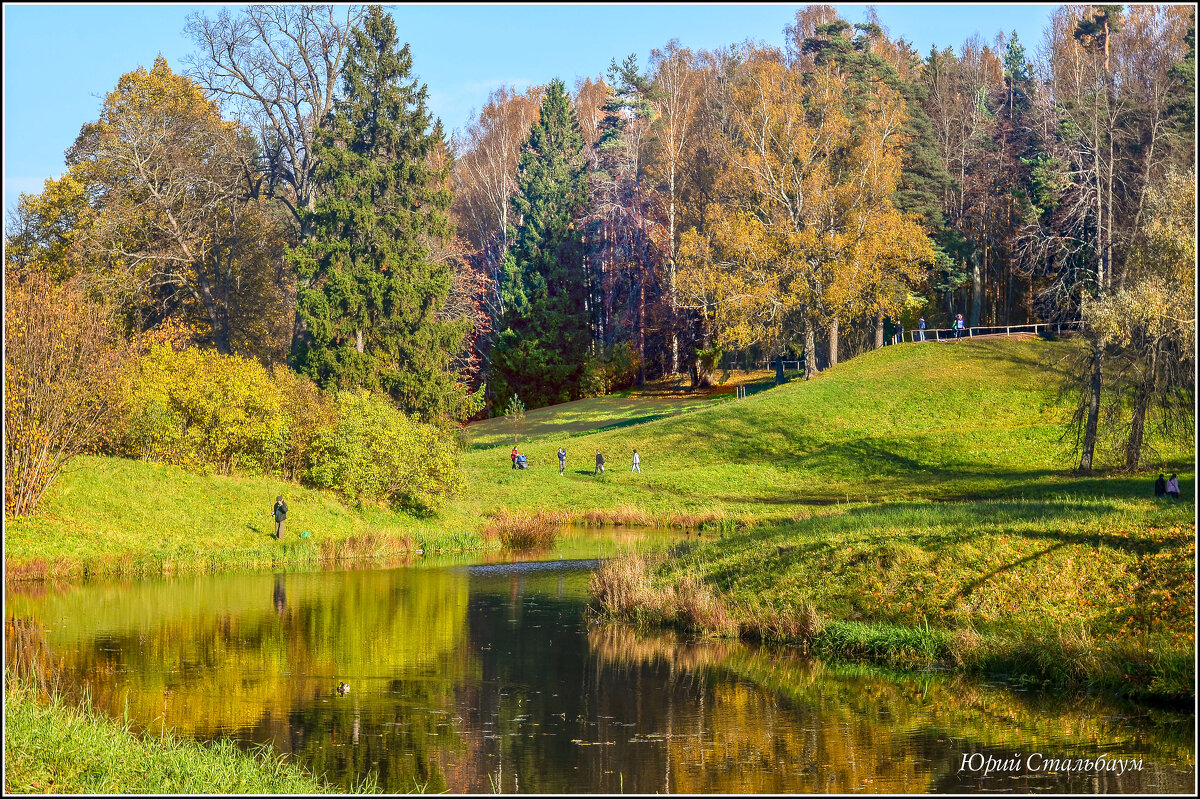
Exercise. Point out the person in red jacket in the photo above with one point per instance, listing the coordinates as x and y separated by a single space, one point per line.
514 457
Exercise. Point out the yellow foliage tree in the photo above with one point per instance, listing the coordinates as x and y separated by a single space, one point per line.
1149 323
806 232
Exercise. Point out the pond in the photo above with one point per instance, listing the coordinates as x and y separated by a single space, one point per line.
474 676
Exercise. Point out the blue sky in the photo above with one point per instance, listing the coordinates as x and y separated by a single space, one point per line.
60 60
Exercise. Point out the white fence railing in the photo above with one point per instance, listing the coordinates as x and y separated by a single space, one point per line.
932 334
950 334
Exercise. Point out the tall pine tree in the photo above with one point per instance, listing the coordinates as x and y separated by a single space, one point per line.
541 353
374 290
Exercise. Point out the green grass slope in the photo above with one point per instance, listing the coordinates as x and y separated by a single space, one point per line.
915 421
584 416
113 515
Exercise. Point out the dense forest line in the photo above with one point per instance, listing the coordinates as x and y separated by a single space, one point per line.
287 198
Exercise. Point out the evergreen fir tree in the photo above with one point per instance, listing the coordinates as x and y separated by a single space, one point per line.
923 176
373 291
541 352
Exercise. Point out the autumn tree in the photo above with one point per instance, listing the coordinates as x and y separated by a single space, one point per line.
1106 140
43 231
1149 325
486 169
623 231
542 349
373 291
869 60
807 192
277 66
675 99
63 361
170 231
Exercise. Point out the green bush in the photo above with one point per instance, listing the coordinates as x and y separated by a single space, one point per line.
376 453
202 410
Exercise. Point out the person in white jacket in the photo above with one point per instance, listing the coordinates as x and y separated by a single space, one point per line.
636 463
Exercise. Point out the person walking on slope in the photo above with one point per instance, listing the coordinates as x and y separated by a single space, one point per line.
599 464
562 460
1173 486
280 512
636 463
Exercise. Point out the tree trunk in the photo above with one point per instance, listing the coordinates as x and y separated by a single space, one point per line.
671 273
702 377
833 343
976 289
810 349
216 319
1141 402
641 328
1093 412
879 330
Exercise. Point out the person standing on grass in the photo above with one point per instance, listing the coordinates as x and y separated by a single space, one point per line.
921 328
636 463
1173 486
562 460
514 457
899 332
1160 486
599 464
280 512
958 326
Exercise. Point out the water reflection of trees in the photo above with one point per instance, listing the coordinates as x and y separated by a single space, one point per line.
858 729
464 679
225 656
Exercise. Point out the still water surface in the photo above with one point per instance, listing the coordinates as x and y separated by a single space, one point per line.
472 676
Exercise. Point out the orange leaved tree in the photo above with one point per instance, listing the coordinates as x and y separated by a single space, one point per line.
62 361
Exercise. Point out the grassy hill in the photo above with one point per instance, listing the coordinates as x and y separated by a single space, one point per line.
113 515
915 421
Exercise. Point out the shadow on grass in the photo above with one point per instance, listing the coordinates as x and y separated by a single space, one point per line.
624 423
966 590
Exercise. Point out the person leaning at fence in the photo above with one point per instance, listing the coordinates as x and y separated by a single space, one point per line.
899 332
280 512
921 328
958 326
1173 486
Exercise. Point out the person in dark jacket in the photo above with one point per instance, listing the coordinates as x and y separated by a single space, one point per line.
921 327
1160 486
280 516
562 460
599 464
